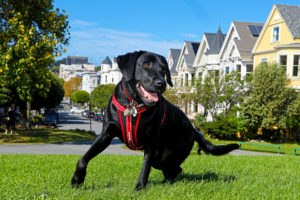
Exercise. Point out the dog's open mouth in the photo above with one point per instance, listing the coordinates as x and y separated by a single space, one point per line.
148 97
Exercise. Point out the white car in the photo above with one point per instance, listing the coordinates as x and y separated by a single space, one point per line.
76 110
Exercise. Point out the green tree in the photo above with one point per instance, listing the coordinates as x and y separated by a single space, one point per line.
5 96
270 103
216 92
53 97
80 96
101 95
31 35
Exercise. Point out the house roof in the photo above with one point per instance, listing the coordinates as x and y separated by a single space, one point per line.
215 41
174 53
246 40
106 61
291 16
192 48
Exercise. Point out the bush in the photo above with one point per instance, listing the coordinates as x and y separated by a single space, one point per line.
223 127
36 119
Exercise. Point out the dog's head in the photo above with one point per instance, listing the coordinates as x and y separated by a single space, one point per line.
149 72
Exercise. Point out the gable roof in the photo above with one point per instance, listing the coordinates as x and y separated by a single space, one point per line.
107 61
291 16
215 41
174 53
246 40
192 48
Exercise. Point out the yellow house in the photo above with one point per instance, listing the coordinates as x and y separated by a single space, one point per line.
279 41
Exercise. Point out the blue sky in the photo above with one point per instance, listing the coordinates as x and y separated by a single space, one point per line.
101 28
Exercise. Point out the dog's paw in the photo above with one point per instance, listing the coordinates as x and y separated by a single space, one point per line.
77 180
140 186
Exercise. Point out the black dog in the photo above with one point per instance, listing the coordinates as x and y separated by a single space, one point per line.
139 115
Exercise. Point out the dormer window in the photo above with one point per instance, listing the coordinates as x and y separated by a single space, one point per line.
275 34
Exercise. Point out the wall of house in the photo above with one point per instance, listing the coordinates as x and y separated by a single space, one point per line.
285 37
266 48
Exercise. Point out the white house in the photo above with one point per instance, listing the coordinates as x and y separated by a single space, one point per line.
172 63
185 71
90 81
75 66
110 72
235 53
207 61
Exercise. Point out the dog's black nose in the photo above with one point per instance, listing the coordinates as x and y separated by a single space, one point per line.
159 84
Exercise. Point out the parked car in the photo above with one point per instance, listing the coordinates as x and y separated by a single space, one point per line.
50 120
90 114
84 113
98 117
76 110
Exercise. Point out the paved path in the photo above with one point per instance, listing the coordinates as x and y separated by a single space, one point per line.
80 148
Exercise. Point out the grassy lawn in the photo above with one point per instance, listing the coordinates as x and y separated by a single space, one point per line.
114 177
44 135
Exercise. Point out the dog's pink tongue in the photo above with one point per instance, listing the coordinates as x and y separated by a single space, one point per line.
149 95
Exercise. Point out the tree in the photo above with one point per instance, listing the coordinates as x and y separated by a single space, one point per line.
215 92
72 85
53 97
80 96
101 95
31 35
5 96
270 103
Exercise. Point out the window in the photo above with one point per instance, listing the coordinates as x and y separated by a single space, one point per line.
264 60
186 79
238 70
275 34
296 67
105 79
283 61
227 70
195 107
181 80
249 70
193 79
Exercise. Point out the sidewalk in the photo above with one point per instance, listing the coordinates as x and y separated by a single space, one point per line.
79 148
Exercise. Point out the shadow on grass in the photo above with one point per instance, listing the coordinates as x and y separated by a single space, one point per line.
206 177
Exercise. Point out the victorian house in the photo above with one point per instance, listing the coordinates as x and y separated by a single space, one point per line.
279 41
235 54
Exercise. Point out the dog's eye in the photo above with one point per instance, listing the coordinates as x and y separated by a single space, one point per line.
164 71
147 65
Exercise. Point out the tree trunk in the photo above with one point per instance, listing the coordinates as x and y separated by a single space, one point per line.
28 115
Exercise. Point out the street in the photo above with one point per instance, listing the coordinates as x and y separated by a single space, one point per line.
68 121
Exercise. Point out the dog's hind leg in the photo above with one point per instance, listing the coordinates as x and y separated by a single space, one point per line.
101 143
172 172
209 148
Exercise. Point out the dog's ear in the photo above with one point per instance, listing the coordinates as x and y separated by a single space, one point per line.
168 73
169 80
127 63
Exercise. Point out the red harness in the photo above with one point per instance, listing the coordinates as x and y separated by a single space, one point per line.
130 138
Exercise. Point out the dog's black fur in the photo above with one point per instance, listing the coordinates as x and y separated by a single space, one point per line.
166 145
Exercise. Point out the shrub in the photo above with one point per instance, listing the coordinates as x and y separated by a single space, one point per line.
222 127
36 119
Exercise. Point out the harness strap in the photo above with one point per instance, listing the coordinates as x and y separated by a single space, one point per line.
129 138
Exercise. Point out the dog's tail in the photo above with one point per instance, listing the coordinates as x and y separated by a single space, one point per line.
209 148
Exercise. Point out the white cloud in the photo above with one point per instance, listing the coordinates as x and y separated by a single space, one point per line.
81 23
190 35
97 43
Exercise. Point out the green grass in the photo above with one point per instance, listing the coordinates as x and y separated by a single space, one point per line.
114 177
44 135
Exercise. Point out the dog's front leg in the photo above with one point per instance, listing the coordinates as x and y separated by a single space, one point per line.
101 142
143 178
